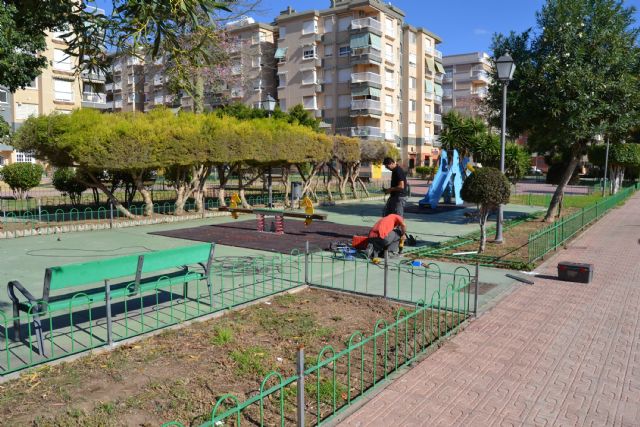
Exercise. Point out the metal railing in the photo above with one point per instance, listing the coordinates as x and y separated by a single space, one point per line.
437 118
98 98
365 104
366 132
428 117
327 383
358 24
555 235
367 77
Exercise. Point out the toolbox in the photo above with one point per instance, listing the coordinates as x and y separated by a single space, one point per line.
575 272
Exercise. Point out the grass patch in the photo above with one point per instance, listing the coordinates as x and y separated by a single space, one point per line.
223 335
251 361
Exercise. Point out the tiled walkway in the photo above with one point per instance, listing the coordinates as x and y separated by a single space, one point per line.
555 353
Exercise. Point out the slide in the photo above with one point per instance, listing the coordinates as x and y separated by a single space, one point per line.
449 176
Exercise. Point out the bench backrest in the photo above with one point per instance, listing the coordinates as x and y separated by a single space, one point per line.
86 273
172 258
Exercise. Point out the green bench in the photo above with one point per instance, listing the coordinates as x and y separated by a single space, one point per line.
145 272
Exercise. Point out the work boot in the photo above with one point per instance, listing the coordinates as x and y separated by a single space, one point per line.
369 251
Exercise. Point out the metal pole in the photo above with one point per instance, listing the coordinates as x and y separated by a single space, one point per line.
606 167
107 292
498 238
300 394
386 271
306 262
39 211
110 214
270 190
475 291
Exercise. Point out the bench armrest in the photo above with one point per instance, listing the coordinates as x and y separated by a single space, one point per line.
12 295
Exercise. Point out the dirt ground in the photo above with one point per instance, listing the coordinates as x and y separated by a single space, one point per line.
179 374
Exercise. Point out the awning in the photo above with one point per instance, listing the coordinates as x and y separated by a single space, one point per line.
366 91
376 41
281 52
359 41
430 65
428 86
439 67
438 89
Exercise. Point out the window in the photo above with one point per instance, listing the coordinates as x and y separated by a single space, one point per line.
130 79
427 109
62 90
328 102
4 96
24 157
388 130
390 28
388 52
283 105
412 60
412 128
24 111
427 132
235 69
308 77
57 35
282 32
310 27
256 61
132 98
258 38
344 101
309 52
388 104
412 37
328 25
281 55
328 77
328 51
412 105
344 51
412 82
388 78
282 80
344 75
344 23
309 102
61 60
257 85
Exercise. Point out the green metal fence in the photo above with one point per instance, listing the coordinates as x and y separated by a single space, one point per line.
339 377
236 280
555 235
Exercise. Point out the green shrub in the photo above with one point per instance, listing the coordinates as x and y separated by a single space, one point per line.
64 180
424 171
22 177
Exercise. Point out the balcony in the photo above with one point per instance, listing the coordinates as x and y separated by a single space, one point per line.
158 100
480 76
438 78
98 76
366 55
429 96
371 79
113 87
437 99
117 68
366 132
428 139
437 118
448 93
481 92
117 104
366 107
94 100
448 78
429 50
428 117
435 141
437 53
368 24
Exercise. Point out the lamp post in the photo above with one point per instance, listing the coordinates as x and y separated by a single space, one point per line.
505 67
269 105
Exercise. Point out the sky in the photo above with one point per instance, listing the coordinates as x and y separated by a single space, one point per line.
463 25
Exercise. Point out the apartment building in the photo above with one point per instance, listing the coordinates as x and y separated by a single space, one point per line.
466 82
359 68
253 64
125 90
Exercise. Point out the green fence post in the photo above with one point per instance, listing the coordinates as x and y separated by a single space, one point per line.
555 236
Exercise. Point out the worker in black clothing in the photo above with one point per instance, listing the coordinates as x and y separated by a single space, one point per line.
398 191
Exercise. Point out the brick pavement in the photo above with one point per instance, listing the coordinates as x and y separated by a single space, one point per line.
550 354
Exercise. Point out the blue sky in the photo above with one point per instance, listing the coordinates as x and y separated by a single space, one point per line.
463 25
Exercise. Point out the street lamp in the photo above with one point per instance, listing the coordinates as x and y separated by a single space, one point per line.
269 105
506 67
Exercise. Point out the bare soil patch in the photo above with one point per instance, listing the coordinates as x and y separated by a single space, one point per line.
180 374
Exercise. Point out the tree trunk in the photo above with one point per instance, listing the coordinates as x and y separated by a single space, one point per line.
287 186
617 176
198 95
566 177
223 179
112 198
138 179
201 176
483 215
364 187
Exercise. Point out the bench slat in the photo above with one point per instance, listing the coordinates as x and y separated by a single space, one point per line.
172 258
72 275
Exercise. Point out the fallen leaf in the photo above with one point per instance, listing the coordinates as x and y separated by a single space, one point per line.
344 396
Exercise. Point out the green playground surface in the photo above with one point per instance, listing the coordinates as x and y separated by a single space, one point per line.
240 275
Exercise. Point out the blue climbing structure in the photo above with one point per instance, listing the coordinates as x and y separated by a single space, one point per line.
447 182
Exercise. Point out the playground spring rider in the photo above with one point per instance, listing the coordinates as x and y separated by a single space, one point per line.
448 180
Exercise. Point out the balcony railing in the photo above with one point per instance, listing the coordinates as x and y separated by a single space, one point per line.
98 98
429 96
428 139
448 77
367 54
110 87
117 104
436 141
363 23
366 132
428 117
480 92
94 76
438 78
437 118
437 98
158 100
367 77
480 75
429 50
365 104
447 93
437 53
